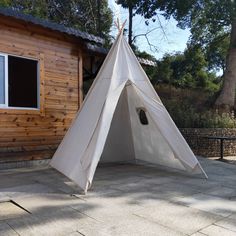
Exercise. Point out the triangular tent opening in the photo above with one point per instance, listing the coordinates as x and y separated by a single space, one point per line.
119 143
122 119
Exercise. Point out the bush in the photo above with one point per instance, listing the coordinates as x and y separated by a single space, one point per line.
192 108
186 116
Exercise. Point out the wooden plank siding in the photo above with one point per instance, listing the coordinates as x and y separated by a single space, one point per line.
35 134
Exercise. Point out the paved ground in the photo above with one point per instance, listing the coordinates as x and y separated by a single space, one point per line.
227 159
124 200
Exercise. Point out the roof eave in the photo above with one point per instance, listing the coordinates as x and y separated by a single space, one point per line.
8 12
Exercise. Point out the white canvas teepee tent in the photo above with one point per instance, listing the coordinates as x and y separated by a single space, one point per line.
122 119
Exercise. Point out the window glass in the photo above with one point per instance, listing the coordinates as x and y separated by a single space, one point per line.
22 82
2 80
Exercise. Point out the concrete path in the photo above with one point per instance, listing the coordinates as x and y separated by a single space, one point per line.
127 200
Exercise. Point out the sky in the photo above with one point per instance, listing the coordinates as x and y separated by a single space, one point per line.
173 40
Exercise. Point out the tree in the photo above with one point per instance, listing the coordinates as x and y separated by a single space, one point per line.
92 16
186 70
212 23
131 5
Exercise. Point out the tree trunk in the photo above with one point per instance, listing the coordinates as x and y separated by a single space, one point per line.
226 99
130 25
99 17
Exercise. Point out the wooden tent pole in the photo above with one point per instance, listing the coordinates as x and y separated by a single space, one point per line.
117 23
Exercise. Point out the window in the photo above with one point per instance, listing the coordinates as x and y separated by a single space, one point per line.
18 82
142 116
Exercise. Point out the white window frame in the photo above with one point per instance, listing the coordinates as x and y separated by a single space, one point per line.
6 105
5 80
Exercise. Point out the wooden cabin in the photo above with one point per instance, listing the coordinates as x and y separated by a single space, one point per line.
41 79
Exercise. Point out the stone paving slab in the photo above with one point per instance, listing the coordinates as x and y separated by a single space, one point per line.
124 200
214 230
4 197
61 222
128 224
198 234
208 203
107 211
9 210
184 219
6 230
74 234
45 204
125 227
224 192
200 184
26 190
228 223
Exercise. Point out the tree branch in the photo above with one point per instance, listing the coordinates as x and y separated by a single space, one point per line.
146 36
162 28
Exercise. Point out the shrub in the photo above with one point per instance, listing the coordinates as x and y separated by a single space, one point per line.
186 116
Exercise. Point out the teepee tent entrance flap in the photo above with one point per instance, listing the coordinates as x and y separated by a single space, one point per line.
122 119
